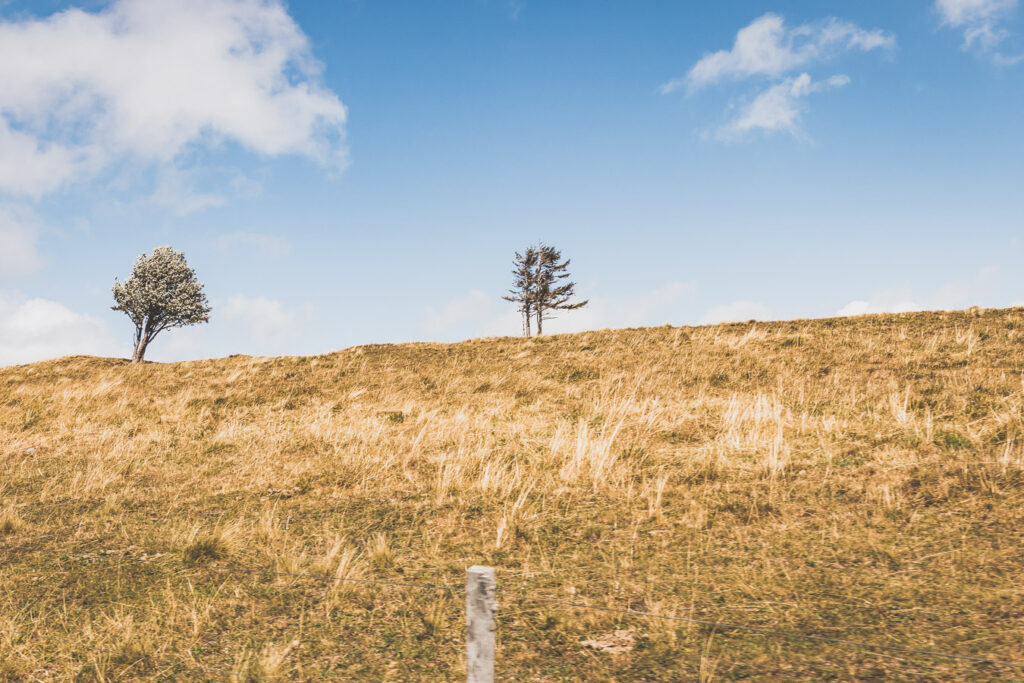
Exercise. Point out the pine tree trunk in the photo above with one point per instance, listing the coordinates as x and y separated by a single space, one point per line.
540 321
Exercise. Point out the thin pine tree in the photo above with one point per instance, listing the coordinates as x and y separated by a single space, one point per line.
539 286
552 292
524 273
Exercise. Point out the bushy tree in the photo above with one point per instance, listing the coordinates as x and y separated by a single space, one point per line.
539 286
162 292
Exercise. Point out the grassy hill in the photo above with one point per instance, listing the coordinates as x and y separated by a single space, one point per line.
857 478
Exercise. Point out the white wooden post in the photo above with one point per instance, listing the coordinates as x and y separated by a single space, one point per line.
481 606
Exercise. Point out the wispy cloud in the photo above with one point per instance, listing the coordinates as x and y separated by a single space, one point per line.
737 311
476 313
889 301
778 108
187 190
256 241
656 306
952 295
767 47
18 253
39 329
176 190
147 80
255 325
980 21
474 305
261 321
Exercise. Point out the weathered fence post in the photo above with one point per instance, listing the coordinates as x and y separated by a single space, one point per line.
481 606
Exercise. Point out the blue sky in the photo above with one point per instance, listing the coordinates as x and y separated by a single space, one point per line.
362 171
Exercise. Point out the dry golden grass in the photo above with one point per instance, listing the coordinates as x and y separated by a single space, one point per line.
855 478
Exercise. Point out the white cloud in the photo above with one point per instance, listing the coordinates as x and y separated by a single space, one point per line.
176 191
891 301
18 255
950 296
255 325
177 188
262 321
1007 60
38 329
255 241
766 47
473 305
473 314
777 109
477 314
968 292
737 311
30 166
654 307
979 20
146 80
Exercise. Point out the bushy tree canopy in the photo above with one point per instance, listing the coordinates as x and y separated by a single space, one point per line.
162 292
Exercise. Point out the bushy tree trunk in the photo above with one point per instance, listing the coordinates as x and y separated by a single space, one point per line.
140 351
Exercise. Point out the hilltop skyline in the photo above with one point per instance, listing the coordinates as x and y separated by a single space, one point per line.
355 172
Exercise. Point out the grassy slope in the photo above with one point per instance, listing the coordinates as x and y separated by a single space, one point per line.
859 478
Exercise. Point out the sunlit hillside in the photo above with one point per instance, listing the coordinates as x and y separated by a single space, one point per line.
859 479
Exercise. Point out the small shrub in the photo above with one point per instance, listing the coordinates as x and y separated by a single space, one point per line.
849 459
719 379
571 375
952 440
10 522
205 549
381 556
